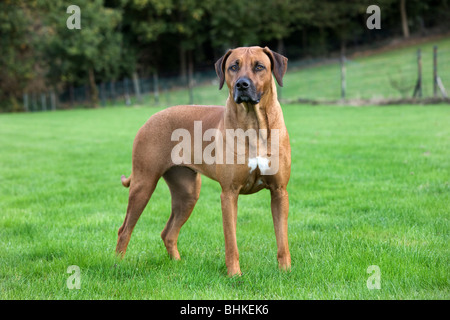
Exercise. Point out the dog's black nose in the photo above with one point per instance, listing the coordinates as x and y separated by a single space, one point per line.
245 91
243 84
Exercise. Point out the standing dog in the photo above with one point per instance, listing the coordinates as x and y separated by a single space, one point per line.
252 104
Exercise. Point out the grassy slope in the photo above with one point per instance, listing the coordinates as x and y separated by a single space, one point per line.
366 77
370 76
369 186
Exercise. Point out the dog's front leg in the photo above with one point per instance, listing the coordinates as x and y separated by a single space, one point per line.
229 201
280 209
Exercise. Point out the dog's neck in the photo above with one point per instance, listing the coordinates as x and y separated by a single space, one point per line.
262 117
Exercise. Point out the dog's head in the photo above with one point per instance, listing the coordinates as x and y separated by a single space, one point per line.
248 72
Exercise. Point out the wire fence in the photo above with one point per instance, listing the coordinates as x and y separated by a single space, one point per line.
424 73
394 75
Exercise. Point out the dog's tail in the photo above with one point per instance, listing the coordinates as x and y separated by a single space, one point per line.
125 181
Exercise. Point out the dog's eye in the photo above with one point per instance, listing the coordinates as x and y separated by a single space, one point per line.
234 67
259 67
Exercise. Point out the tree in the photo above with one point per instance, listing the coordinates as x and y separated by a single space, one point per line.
143 23
404 17
190 27
234 24
280 18
75 55
20 68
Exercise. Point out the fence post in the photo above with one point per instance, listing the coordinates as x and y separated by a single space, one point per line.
343 81
53 100
156 87
441 87
437 82
137 89
33 102
25 102
418 88
127 95
435 71
113 92
43 102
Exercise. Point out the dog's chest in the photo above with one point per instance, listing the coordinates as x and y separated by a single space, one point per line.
255 181
260 163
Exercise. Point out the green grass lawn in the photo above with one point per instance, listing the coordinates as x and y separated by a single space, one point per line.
369 186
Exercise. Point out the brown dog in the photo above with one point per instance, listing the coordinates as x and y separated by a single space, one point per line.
252 106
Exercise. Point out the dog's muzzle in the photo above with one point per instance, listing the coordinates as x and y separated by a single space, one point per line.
245 91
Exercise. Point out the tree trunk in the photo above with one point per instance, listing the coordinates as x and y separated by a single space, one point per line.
72 95
322 41
182 53
137 88
94 90
304 40
404 19
280 46
191 77
53 99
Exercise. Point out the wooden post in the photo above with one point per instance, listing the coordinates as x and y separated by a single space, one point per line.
156 87
43 102
343 81
137 88
33 102
418 88
419 66
435 71
25 102
127 94
53 100
441 87
437 82
113 92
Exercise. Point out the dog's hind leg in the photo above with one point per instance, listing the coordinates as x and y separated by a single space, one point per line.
184 185
140 193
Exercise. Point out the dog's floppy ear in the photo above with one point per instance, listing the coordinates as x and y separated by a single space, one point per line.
220 68
279 64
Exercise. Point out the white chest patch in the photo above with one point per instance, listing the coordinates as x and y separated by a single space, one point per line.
259 162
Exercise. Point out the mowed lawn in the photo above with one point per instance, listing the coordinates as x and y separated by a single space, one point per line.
369 187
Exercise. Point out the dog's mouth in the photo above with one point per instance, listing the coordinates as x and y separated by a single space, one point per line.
244 98
240 97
